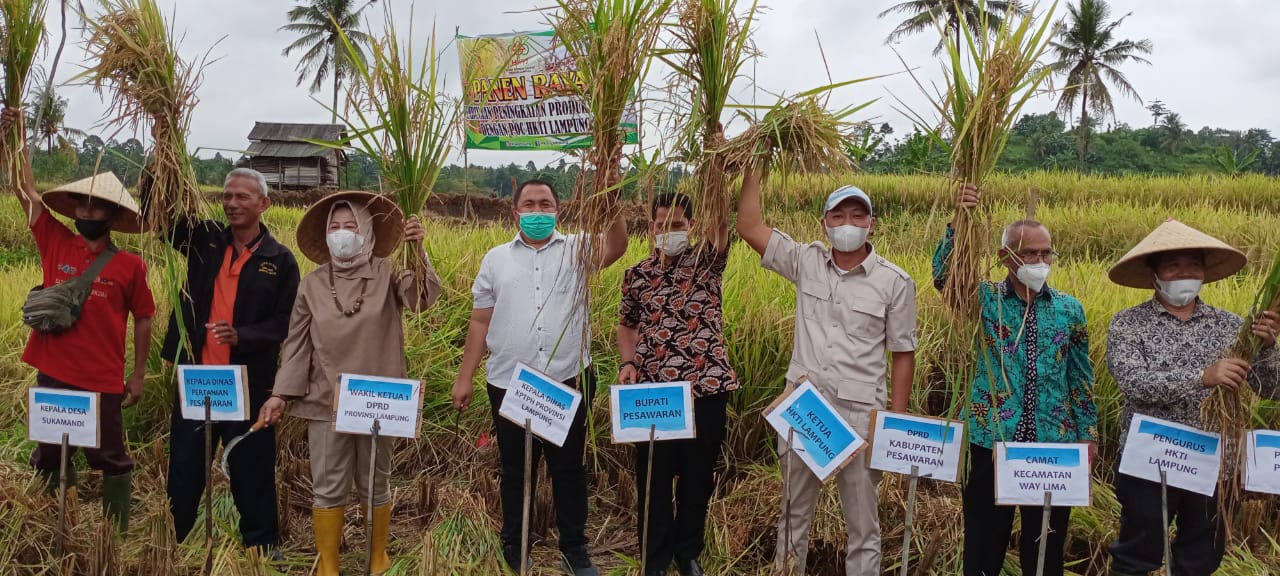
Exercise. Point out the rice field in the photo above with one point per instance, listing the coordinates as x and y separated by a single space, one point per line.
446 514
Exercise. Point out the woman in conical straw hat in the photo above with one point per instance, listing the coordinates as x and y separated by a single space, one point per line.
347 320
90 355
1166 355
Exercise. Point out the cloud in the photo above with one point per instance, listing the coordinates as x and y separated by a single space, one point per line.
1214 66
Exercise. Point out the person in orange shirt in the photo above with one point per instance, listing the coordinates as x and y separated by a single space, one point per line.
235 308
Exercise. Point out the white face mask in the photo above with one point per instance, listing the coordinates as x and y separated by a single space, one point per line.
1033 275
344 244
1179 292
847 237
672 243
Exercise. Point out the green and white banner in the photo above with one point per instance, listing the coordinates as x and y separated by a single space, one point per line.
522 91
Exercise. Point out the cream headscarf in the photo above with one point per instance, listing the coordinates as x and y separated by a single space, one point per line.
364 221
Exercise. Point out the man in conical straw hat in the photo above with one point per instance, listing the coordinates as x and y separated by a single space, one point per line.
1166 356
90 355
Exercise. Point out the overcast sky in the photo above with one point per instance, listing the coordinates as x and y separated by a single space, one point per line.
1213 61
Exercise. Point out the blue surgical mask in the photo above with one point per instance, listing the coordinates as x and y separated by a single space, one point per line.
538 226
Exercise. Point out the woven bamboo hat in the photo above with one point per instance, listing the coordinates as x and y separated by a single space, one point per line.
1220 259
388 224
103 187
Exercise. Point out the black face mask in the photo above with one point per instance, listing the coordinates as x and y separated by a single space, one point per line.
92 229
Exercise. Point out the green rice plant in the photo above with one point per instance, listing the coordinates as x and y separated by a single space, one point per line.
711 44
20 40
976 111
402 117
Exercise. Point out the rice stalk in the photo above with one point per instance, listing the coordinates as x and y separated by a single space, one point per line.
975 113
610 42
134 54
798 134
711 43
402 117
20 41
1228 412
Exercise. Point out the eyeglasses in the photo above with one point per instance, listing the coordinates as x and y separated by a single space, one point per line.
1030 256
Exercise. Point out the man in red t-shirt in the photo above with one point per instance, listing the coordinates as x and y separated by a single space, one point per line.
91 354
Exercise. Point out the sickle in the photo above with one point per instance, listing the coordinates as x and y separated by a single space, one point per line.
226 450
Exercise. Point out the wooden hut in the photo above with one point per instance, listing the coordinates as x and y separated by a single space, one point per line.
282 153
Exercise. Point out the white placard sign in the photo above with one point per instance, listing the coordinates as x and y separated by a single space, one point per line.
666 407
52 413
1262 461
547 405
225 386
823 440
900 441
395 403
1189 457
1026 470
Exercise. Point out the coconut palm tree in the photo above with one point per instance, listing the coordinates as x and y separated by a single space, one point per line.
320 24
1089 55
975 14
49 110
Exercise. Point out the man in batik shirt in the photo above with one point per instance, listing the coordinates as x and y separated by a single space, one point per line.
1032 383
1166 356
671 330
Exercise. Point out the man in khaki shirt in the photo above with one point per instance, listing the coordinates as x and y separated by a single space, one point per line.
851 305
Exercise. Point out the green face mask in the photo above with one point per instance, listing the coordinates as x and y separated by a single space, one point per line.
537 226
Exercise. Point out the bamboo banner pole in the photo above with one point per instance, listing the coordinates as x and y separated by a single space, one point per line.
648 494
60 542
368 506
911 514
1044 532
528 497
208 486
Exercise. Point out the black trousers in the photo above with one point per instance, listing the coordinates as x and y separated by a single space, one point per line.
987 526
252 467
1198 546
676 529
564 465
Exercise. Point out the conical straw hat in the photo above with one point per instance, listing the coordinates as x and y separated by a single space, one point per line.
388 224
1220 259
104 187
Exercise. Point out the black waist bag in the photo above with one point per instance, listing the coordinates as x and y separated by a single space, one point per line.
56 308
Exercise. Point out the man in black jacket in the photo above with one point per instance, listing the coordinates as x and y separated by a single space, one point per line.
235 309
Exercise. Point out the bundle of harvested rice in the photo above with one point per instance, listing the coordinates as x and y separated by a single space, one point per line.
798 134
610 42
400 116
134 54
711 42
1230 411
976 112
20 40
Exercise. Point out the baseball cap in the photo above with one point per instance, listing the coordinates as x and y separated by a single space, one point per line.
844 193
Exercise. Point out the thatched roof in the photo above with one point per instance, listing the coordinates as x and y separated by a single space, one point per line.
282 140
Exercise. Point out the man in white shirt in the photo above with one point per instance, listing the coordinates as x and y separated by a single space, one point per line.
529 306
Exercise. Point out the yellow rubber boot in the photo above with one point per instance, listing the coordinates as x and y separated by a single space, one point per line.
328 527
378 542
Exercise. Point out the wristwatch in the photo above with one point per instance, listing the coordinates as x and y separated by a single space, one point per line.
631 362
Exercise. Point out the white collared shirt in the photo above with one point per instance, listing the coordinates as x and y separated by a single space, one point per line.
539 310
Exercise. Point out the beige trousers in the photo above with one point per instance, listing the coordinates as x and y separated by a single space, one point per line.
338 458
858 499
